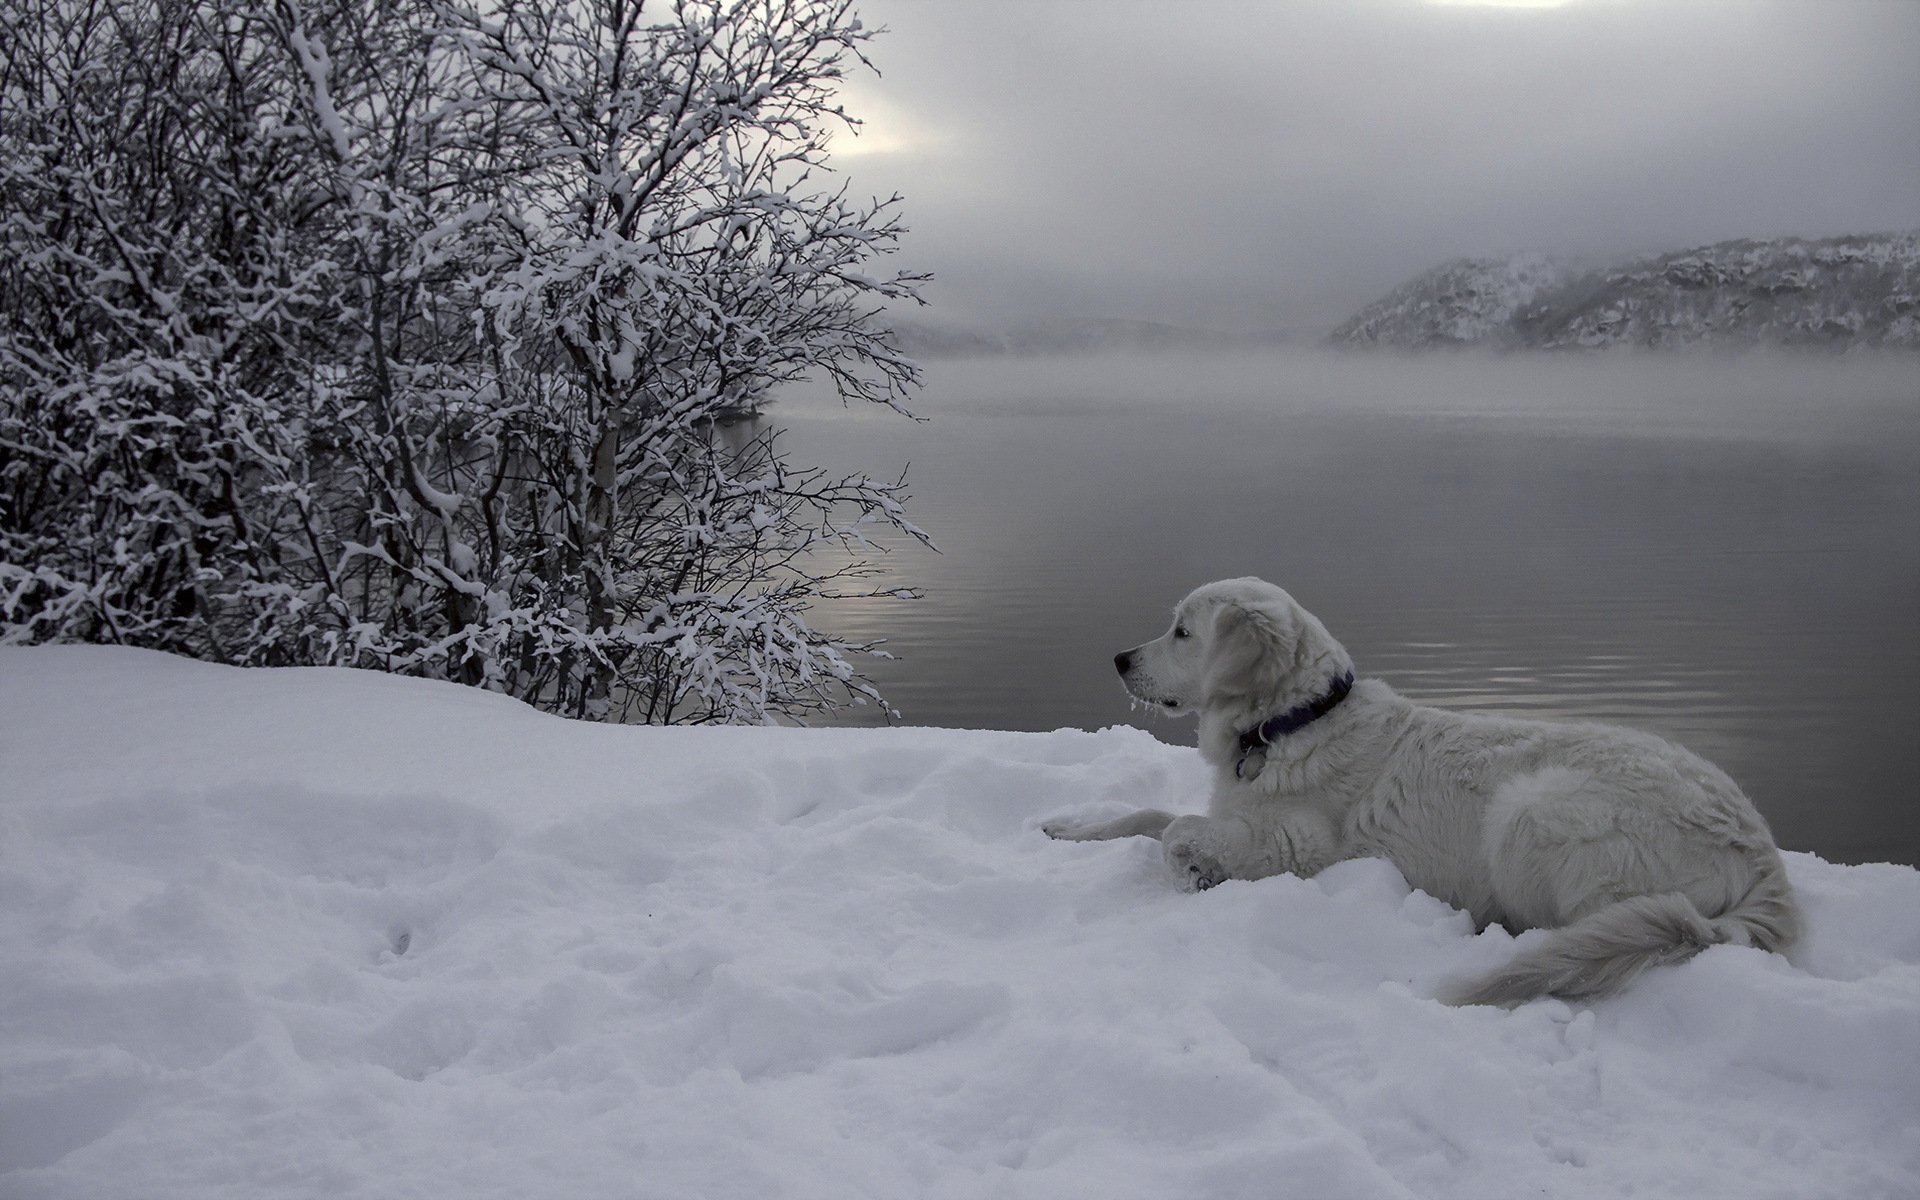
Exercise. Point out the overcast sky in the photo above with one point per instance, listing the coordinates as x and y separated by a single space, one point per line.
1278 163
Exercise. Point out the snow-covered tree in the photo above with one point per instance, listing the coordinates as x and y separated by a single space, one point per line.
407 335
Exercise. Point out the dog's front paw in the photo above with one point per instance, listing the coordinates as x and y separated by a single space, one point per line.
1064 830
1193 868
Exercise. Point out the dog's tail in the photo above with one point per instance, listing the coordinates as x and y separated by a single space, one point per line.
1605 950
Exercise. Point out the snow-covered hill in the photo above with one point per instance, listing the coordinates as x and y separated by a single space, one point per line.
1463 302
1837 293
295 933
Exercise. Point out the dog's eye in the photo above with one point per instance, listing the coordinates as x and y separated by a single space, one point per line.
1180 631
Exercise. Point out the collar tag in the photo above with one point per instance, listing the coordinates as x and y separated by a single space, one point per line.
1250 765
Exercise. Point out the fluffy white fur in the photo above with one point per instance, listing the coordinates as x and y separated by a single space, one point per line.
1635 850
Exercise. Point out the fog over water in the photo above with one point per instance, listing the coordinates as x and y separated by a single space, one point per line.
1723 551
1228 164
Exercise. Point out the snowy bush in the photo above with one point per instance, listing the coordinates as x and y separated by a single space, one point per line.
407 336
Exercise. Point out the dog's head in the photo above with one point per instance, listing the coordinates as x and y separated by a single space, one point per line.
1239 646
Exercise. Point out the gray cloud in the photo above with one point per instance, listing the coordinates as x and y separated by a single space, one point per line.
1279 164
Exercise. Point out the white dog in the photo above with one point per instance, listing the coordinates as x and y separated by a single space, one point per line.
1635 850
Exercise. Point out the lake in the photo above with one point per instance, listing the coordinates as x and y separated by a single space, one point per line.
1725 551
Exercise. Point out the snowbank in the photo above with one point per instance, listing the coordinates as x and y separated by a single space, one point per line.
305 932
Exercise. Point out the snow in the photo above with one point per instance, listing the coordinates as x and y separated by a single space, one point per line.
320 932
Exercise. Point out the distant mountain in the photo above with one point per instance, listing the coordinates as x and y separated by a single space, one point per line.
1464 302
1837 293
1063 335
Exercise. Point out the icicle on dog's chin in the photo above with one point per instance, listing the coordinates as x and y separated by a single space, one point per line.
1158 706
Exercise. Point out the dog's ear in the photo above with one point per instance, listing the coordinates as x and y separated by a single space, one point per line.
1249 655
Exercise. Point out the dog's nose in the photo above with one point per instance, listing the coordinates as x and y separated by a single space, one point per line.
1123 660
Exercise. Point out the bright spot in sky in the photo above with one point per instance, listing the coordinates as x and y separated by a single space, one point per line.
1501 3
883 129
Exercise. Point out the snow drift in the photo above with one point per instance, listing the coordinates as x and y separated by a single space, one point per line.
310 932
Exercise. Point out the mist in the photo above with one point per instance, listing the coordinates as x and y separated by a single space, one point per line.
1250 166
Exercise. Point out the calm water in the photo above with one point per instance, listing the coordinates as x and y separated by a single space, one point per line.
1723 552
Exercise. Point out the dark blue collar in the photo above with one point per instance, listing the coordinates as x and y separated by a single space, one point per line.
1299 717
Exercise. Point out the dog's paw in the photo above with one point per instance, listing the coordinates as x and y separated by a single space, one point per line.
1087 831
1201 877
1193 868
